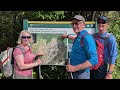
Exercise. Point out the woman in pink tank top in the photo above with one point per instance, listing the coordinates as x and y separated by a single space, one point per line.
24 62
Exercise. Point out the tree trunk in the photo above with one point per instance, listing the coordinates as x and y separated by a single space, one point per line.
93 17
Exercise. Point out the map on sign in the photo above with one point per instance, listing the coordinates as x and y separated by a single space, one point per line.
55 48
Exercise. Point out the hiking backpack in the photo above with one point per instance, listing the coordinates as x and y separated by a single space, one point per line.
100 49
7 61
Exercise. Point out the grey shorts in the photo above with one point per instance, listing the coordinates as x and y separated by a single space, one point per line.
17 76
84 75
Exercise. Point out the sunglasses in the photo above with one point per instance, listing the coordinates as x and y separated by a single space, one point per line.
101 22
24 37
77 23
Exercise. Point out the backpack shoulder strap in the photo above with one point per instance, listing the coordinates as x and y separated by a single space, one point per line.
81 42
23 51
95 34
12 57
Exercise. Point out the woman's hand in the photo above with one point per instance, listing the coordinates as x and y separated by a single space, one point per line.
38 62
40 53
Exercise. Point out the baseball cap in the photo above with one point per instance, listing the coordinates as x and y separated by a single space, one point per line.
102 18
78 17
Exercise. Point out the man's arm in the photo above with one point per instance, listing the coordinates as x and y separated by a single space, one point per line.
113 52
90 48
68 36
110 71
111 68
82 66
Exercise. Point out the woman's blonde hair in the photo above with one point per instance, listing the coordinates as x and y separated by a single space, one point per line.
19 38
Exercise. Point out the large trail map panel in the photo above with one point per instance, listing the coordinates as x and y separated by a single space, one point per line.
55 48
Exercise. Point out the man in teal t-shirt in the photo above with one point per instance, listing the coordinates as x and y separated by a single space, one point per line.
83 55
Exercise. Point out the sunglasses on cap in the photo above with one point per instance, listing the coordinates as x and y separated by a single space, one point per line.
101 21
24 37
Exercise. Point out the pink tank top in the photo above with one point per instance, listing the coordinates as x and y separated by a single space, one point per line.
28 58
